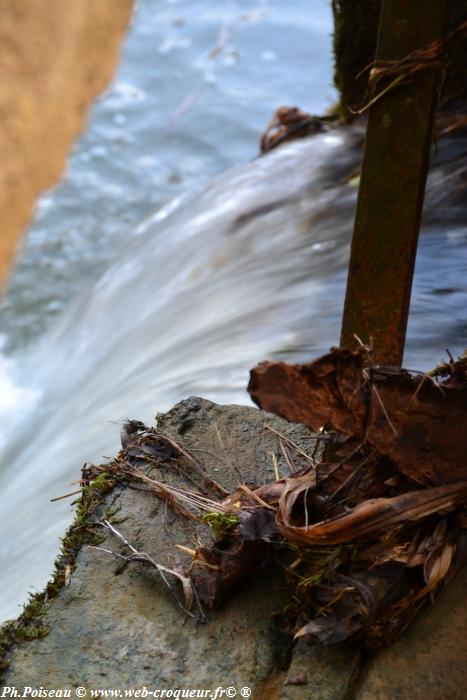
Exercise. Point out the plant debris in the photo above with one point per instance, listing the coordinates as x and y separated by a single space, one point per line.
416 420
33 622
393 74
365 537
288 123
189 592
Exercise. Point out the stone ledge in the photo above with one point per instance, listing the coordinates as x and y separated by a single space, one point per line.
121 629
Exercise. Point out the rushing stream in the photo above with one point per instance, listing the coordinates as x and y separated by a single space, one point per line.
115 312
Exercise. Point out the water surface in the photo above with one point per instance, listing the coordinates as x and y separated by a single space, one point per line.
151 274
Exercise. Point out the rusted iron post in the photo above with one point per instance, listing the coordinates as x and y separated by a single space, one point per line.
392 184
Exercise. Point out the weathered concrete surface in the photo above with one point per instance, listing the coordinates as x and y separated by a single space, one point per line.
55 57
429 662
125 631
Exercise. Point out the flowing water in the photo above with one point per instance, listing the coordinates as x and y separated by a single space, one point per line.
142 282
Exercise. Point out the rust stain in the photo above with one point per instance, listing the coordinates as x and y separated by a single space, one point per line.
392 186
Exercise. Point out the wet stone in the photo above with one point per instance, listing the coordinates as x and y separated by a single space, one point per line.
429 661
112 628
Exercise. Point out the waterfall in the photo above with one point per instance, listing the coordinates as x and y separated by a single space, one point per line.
250 267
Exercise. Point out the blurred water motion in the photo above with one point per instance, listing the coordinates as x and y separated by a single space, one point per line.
249 266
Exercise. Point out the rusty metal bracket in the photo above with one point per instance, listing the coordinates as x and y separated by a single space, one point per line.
392 184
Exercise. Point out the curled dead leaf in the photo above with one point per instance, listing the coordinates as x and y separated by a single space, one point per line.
354 603
437 564
327 630
369 516
296 488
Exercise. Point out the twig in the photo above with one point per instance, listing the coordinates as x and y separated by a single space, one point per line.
342 462
65 495
428 58
350 477
186 550
400 80
415 394
175 496
169 493
230 464
211 454
380 401
275 465
188 587
305 506
367 348
198 466
257 498
287 457
449 354
292 443
120 536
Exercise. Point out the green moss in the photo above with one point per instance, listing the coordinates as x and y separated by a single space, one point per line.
354 42
220 522
32 623
110 514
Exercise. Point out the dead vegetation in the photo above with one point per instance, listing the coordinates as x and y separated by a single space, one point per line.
386 76
365 537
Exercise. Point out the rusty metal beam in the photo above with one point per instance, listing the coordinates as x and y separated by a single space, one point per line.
392 185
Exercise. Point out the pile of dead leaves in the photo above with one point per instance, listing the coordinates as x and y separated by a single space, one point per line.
364 538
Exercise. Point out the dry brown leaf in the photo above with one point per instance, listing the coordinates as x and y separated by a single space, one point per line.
437 564
402 554
440 531
354 602
325 629
417 423
371 515
187 586
293 490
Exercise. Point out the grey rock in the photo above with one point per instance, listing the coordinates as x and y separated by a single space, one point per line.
429 661
122 629
326 673
113 628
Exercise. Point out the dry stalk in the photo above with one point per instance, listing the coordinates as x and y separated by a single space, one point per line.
293 444
189 591
195 462
287 457
402 71
383 408
175 496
